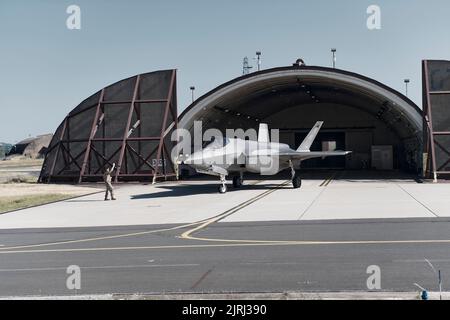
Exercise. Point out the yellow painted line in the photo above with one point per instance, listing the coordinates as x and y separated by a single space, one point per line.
187 234
323 182
327 181
201 225
115 236
100 238
267 243
331 179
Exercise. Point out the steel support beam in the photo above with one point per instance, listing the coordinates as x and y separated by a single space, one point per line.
164 124
127 129
52 169
91 136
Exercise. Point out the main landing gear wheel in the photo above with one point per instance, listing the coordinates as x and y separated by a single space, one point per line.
296 182
237 182
222 188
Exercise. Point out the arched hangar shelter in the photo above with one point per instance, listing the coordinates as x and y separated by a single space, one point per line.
381 126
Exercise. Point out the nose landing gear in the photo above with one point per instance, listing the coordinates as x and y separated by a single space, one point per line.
237 182
223 186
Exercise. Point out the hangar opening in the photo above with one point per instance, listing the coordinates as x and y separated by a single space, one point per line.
382 127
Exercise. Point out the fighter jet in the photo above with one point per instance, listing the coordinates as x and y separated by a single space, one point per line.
234 156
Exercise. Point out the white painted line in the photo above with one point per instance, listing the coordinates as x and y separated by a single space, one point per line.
422 260
105 267
272 263
235 243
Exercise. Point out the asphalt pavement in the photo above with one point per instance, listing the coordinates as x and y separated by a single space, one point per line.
266 237
282 256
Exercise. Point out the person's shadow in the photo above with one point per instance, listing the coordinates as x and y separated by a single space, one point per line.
84 200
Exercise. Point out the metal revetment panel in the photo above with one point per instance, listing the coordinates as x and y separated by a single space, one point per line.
128 123
436 110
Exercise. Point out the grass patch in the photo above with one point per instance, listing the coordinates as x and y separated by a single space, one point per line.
20 202
20 163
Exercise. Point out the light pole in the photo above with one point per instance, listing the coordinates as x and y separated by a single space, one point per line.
406 86
258 58
192 92
333 50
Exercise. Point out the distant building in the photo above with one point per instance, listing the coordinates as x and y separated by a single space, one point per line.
4 149
34 147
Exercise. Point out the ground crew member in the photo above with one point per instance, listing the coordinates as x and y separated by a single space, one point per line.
108 185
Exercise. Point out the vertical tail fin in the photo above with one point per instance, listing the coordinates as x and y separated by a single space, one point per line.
306 144
263 133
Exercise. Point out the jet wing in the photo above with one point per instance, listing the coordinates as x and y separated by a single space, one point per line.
303 155
213 171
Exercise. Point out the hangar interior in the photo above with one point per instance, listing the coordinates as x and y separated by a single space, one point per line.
381 127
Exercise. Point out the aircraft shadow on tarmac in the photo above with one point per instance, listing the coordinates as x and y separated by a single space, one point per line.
193 189
268 182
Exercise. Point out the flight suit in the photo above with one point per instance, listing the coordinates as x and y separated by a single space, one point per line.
107 178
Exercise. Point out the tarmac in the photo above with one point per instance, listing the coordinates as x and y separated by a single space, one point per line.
184 239
334 196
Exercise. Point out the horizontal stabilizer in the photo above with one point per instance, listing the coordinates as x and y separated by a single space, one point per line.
303 155
315 153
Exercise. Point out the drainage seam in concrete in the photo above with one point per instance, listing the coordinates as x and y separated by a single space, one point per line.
422 204
311 204
195 285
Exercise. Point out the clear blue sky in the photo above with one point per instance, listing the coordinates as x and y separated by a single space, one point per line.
46 69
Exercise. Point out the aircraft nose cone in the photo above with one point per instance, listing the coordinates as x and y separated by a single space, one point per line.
181 159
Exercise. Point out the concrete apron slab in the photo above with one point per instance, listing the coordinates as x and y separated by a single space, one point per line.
350 200
191 201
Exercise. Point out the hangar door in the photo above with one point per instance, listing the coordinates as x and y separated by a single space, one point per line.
128 124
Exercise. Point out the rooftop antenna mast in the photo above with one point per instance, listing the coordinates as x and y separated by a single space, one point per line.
258 58
246 66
